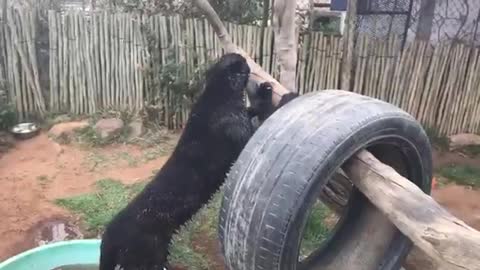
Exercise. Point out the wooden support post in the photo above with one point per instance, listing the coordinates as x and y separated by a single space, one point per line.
349 45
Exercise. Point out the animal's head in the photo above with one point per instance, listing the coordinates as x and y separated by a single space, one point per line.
231 71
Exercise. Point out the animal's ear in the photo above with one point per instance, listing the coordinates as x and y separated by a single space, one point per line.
233 62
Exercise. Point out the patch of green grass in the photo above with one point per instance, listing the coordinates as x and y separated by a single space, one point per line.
204 222
89 137
316 230
462 174
182 251
95 160
471 150
210 215
98 208
157 141
63 139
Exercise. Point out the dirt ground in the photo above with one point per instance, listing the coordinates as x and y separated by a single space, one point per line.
38 171
462 202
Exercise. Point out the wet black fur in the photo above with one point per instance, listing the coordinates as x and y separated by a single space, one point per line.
138 237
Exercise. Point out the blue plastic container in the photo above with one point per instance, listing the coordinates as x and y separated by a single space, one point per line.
54 255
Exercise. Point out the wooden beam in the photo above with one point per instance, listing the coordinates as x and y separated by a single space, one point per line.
448 241
348 43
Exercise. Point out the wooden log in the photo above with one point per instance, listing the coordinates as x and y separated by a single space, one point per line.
257 73
448 241
349 44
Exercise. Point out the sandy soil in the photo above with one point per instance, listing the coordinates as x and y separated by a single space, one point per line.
38 171
462 202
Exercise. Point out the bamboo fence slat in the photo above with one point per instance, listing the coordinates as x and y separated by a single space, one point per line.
114 61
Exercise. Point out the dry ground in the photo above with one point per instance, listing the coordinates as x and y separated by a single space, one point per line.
38 171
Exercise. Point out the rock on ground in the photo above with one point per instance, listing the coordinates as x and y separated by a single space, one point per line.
464 139
136 129
67 128
108 127
55 230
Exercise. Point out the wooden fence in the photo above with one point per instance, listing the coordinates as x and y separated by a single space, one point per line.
105 60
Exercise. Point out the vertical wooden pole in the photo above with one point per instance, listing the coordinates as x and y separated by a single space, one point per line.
349 45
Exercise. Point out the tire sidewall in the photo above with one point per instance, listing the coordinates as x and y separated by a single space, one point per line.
393 131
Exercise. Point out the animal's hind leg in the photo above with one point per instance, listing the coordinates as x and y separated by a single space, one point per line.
160 258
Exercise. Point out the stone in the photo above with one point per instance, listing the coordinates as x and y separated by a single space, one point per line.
67 128
136 129
465 139
108 127
54 230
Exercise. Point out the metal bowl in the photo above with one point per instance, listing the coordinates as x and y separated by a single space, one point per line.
25 130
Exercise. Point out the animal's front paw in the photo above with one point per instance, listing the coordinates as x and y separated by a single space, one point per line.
265 90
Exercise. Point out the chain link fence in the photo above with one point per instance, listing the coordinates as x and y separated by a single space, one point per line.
439 21
383 18
455 21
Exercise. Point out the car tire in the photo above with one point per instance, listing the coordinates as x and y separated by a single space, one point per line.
281 172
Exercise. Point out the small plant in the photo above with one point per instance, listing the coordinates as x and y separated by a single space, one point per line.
437 140
89 137
316 230
173 88
43 180
8 116
471 150
98 208
462 175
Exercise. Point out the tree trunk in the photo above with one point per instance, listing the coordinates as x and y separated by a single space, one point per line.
265 18
349 46
286 41
425 22
4 11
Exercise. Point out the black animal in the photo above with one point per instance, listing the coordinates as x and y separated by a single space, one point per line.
260 97
138 237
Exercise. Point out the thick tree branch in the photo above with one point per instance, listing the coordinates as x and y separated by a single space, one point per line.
286 41
257 72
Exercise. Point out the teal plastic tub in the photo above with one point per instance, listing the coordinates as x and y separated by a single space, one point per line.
54 255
